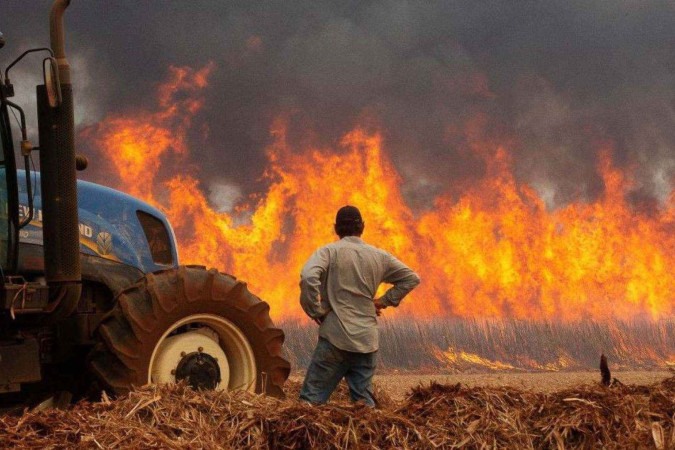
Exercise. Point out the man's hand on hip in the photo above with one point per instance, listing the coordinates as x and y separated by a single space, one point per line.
379 306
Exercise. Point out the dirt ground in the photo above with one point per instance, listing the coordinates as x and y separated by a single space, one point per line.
397 385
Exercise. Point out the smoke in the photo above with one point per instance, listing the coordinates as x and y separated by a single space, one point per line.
552 81
224 197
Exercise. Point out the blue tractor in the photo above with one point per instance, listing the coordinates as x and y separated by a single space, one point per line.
92 291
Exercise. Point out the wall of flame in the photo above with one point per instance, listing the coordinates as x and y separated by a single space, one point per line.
496 251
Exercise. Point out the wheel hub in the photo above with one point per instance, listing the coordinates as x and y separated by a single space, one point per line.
224 348
194 356
200 370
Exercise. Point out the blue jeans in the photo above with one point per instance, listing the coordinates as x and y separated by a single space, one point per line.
329 365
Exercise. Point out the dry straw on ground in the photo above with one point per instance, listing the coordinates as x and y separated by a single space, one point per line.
435 416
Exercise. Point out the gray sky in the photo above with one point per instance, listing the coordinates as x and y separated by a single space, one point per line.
552 79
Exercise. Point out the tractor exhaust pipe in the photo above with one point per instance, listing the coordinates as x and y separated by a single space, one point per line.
59 182
58 40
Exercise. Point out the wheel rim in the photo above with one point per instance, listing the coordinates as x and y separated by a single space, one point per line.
218 338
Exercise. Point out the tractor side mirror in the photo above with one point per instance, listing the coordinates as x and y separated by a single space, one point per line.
50 72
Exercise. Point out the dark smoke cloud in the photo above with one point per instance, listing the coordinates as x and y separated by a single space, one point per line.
553 80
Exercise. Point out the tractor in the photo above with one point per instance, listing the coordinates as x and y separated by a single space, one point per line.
92 291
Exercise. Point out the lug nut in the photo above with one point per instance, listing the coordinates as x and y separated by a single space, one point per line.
200 349
182 354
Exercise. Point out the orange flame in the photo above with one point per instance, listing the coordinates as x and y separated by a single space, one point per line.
495 252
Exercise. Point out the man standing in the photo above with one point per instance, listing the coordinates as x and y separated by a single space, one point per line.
337 289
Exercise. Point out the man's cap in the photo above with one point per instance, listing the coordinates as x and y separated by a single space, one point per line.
348 214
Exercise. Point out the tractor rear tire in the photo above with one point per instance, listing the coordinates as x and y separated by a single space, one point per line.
166 303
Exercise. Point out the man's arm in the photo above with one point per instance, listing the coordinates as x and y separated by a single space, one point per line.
310 284
403 279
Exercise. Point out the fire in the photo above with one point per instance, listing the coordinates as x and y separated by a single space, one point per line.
460 358
497 251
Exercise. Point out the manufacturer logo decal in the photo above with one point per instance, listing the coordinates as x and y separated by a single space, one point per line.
104 243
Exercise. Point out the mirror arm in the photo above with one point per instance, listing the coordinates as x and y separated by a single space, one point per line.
33 50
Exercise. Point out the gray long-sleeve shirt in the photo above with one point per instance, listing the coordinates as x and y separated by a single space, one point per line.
339 282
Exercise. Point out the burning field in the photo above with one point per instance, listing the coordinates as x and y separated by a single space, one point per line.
433 416
494 251
462 345
518 156
507 282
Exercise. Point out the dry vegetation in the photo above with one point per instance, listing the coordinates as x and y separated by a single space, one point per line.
465 345
508 407
441 416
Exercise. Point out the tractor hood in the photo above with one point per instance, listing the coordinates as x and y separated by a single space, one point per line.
112 225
